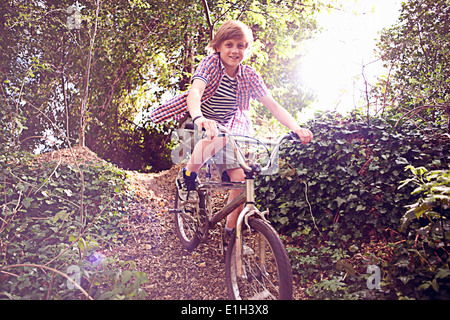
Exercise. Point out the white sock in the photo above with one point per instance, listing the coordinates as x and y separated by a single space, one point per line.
228 229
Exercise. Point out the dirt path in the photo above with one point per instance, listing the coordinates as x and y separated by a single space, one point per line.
174 272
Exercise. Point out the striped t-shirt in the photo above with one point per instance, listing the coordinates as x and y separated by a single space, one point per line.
221 107
211 70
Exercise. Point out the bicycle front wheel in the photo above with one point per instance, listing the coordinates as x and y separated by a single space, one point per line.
267 269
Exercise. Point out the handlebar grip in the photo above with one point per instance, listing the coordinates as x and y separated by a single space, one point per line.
294 137
189 126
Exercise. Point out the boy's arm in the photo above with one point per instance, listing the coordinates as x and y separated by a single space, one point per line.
282 115
194 107
194 98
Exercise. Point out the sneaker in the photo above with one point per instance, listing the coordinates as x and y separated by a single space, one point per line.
186 181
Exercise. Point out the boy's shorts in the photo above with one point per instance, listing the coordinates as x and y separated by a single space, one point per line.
225 159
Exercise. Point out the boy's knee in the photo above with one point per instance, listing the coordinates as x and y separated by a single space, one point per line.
236 174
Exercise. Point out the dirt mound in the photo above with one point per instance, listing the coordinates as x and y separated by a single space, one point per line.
77 154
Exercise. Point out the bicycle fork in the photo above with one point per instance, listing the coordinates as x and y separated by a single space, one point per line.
249 210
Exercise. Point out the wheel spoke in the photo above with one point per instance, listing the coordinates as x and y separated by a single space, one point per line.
267 269
263 295
187 219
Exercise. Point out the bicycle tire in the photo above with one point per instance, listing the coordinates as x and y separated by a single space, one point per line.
187 231
275 281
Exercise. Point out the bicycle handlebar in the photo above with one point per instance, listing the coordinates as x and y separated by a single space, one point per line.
291 136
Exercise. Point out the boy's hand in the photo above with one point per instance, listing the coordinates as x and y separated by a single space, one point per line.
305 135
209 125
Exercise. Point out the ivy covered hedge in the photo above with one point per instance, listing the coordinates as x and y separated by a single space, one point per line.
333 196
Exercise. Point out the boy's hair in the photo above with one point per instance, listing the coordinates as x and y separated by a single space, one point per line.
231 29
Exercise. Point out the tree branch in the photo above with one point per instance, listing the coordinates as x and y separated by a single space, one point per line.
208 19
32 265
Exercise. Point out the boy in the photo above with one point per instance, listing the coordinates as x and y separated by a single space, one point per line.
220 93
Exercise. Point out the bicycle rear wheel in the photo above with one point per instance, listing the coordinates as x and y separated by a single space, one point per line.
267 269
188 218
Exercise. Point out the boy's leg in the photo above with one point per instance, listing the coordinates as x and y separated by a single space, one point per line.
203 150
187 177
236 175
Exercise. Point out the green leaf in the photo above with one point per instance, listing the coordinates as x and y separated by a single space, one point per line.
340 201
61 215
442 273
27 202
419 211
284 220
82 244
126 276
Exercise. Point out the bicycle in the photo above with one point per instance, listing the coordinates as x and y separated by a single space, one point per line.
264 271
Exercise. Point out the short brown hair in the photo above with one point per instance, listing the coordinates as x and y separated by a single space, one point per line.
231 29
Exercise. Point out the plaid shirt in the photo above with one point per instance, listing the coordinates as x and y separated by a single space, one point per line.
211 70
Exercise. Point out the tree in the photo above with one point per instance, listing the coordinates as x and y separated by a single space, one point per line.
83 73
417 51
32 69
66 70
279 29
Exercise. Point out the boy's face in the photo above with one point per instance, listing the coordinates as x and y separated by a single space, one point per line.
232 52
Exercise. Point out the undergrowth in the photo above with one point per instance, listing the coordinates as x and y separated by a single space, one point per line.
339 205
56 220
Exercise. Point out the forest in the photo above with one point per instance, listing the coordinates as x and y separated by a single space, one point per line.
372 189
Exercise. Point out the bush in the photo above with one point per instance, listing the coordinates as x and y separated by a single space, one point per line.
56 220
427 222
332 197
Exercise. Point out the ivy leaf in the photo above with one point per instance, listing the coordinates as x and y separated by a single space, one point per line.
340 201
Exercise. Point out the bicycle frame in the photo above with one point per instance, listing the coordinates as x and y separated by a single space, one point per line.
247 197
